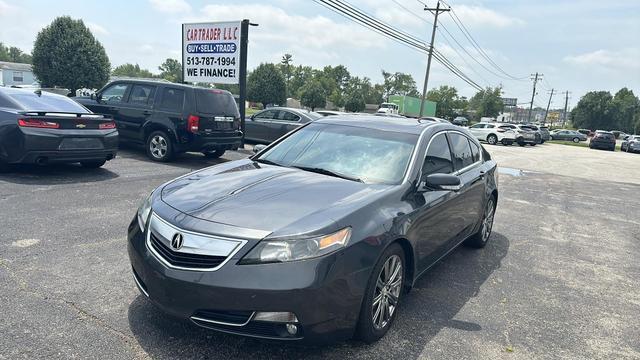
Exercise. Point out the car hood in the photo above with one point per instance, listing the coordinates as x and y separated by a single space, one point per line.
263 197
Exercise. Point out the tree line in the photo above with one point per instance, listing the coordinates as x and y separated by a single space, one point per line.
599 110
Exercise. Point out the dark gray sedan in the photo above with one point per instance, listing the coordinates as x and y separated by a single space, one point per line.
318 236
270 124
631 143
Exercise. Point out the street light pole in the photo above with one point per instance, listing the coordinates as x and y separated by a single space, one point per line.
435 12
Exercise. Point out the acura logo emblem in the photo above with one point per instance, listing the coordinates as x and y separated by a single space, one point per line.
177 241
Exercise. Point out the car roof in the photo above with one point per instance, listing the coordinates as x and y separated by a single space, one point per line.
384 123
161 82
32 92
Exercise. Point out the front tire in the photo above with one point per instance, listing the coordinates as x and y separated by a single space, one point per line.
576 140
521 142
492 139
382 295
92 164
159 146
479 239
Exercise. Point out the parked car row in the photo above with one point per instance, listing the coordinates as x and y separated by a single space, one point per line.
507 134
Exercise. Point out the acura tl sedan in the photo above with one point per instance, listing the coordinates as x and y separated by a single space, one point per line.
319 236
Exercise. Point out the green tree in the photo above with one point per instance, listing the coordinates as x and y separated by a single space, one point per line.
354 102
313 95
398 84
131 70
286 66
625 107
447 99
266 85
13 54
300 75
487 102
171 70
66 54
594 111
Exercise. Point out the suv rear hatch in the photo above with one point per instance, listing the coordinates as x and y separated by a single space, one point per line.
216 111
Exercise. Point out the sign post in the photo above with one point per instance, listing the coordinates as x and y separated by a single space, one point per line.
216 53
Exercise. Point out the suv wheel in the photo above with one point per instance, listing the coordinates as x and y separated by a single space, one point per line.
382 296
492 139
214 154
159 146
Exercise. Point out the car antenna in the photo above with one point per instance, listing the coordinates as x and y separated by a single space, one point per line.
38 92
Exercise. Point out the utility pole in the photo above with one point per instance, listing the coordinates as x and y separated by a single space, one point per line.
533 95
548 104
435 12
564 113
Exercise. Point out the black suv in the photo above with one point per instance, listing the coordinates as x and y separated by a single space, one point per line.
169 118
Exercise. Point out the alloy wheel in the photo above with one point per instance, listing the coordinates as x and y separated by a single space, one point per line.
158 147
487 222
387 292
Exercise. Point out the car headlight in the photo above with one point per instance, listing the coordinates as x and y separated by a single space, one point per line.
143 212
274 251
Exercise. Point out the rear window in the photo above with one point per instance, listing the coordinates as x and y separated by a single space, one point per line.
215 102
32 102
605 136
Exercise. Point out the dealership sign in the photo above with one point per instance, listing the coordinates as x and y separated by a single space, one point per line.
510 101
211 52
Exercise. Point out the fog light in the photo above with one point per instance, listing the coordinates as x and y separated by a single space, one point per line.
280 317
292 329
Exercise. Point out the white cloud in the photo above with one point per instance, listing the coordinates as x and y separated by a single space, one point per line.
171 6
7 9
476 15
96 29
624 59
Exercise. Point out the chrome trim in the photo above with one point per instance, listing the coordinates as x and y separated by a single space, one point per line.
190 249
196 318
142 290
412 162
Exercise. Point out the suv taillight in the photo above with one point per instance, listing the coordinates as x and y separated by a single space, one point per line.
35 123
107 125
193 124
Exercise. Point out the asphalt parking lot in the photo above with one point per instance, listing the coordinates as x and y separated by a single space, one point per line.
560 277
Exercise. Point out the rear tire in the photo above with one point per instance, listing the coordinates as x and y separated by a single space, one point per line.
159 146
479 239
383 294
92 164
576 140
521 143
214 154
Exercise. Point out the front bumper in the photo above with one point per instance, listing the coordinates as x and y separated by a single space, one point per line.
324 293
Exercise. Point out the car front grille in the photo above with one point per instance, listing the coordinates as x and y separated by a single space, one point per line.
185 260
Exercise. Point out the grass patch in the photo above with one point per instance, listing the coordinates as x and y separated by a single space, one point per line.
250 111
570 143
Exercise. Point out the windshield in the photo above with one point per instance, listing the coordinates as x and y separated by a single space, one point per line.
216 102
33 102
370 155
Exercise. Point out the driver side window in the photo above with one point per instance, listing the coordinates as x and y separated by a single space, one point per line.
114 93
438 159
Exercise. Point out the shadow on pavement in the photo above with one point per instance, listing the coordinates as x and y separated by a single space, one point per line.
431 306
55 174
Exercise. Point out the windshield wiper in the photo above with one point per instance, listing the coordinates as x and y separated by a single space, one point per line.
327 172
268 162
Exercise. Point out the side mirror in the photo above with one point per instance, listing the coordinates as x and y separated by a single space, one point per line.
258 148
441 182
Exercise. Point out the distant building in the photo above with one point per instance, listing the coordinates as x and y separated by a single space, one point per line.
16 74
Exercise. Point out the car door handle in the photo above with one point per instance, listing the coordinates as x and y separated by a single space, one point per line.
147 112
482 173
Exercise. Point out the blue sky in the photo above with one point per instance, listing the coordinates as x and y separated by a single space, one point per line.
578 45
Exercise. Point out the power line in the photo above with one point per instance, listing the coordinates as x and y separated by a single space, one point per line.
366 20
476 45
447 41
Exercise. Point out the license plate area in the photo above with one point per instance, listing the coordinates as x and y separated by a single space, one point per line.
80 144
